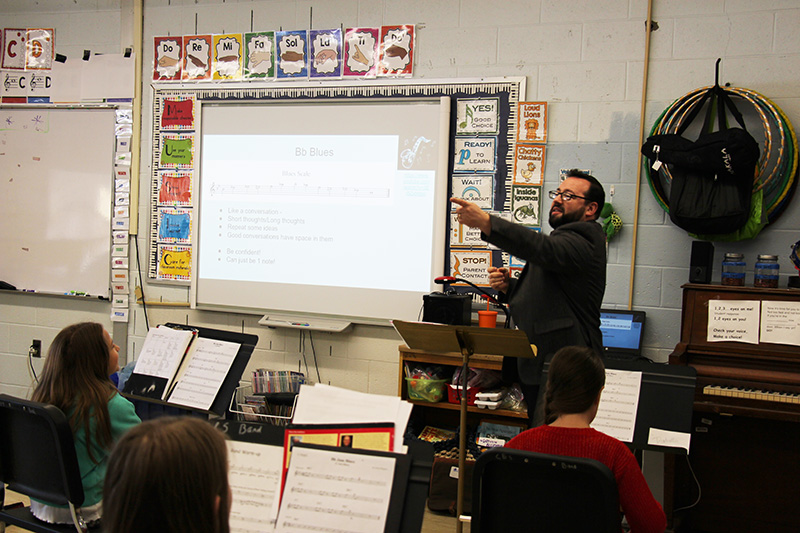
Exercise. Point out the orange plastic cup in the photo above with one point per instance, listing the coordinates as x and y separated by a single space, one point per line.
487 319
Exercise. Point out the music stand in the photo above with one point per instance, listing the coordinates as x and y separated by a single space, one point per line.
466 340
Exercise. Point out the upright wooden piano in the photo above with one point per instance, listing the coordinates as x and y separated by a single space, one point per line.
745 448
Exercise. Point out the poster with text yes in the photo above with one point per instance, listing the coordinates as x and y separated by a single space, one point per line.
477 117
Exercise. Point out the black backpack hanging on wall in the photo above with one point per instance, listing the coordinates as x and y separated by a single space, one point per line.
712 177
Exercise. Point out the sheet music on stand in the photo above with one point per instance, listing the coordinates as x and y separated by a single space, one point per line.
255 452
254 474
347 489
199 381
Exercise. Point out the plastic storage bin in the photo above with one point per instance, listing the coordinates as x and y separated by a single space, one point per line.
454 394
425 390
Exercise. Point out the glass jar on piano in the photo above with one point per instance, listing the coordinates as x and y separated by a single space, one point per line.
766 271
733 269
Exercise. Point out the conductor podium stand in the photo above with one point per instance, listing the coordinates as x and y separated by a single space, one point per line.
467 341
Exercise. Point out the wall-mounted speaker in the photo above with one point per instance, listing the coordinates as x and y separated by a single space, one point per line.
453 309
702 262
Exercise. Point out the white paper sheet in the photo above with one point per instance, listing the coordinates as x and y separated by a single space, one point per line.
780 322
209 361
619 404
162 352
733 320
663 437
254 474
324 404
342 491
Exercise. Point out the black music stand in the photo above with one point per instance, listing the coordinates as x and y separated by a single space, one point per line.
466 340
222 400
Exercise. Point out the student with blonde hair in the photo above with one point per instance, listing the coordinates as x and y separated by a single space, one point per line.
169 475
575 381
76 379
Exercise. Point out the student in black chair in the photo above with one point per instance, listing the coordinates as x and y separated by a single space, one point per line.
574 383
75 378
168 475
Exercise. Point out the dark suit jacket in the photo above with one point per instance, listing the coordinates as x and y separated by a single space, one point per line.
556 300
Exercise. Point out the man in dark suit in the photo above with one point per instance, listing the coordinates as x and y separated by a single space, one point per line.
556 300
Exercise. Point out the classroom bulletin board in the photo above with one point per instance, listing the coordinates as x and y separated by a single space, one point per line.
483 137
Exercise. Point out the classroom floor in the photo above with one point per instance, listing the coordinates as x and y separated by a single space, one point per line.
432 523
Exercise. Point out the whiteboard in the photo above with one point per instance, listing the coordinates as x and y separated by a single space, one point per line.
56 184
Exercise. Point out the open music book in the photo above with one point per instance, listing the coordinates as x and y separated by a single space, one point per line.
178 366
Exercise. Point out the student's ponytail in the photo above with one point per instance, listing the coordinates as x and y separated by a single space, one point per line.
574 380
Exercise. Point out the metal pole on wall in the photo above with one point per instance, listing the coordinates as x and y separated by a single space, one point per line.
138 35
648 31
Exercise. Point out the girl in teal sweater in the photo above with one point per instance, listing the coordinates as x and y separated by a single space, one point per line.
75 379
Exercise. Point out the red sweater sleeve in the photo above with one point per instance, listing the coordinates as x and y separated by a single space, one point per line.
643 512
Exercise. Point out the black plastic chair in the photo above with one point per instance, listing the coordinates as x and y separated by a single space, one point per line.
514 490
38 459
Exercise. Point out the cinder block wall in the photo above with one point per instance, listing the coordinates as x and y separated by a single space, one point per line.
585 57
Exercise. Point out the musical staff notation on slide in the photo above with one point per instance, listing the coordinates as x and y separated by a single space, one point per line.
219 189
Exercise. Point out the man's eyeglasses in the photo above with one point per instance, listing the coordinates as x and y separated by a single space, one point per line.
566 196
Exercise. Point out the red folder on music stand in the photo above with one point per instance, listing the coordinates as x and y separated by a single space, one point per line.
466 340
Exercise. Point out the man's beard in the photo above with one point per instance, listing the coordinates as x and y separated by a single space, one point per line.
565 218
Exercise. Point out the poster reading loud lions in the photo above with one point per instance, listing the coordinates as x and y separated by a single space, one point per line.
325 60
532 122
292 51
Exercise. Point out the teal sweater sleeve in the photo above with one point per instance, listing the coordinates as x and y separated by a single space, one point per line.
123 416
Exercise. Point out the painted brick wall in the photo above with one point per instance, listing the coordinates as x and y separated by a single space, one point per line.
585 57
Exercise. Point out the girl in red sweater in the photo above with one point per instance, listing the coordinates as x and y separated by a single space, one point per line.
572 394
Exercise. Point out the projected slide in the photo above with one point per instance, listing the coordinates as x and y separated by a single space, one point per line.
289 208
325 207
